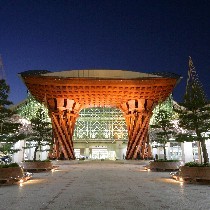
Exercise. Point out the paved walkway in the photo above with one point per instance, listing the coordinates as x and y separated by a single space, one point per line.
104 185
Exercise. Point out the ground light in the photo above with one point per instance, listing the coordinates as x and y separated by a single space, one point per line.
36 181
21 182
26 177
176 177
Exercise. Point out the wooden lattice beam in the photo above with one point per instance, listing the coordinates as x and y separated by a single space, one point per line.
93 92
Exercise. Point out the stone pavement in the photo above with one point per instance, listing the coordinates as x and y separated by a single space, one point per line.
96 185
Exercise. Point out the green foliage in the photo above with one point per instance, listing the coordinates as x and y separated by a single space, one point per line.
37 161
7 147
167 106
9 127
41 134
194 113
162 160
29 108
41 128
162 126
194 164
4 94
11 165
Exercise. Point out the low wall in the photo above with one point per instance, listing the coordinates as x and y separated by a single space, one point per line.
11 173
37 165
194 173
164 165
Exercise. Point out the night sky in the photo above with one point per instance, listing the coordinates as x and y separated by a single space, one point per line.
145 36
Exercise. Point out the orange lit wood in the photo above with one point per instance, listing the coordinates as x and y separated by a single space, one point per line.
65 97
63 114
137 114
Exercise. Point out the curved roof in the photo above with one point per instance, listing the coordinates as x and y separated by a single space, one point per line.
98 87
100 73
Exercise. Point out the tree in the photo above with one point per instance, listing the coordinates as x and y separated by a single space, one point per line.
161 125
9 127
194 113
29 107
41 134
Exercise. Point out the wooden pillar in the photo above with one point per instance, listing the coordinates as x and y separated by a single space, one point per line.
56 149
64 113
137 114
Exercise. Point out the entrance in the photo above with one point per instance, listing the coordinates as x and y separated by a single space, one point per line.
100 153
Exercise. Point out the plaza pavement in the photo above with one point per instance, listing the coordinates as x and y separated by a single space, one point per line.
104 185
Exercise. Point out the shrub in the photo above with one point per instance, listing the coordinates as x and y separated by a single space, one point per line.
11 165
194 164
162 160
37 160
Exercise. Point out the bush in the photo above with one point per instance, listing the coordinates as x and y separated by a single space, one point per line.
194 164
162 160
11 165
37 160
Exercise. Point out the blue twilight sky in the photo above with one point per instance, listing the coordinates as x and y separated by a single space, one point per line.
139 35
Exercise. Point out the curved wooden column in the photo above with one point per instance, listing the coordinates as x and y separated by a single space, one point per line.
63 125
64 113
137 115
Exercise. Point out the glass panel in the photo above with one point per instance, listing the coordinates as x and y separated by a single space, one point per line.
100 124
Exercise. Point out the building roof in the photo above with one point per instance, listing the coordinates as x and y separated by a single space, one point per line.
91 88
100 73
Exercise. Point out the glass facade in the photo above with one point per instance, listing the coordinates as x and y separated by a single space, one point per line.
100 124
175 151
